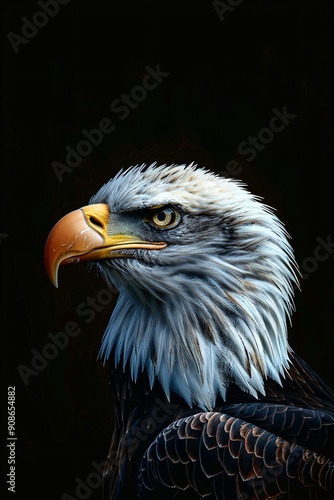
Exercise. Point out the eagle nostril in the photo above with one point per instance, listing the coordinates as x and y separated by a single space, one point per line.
95 222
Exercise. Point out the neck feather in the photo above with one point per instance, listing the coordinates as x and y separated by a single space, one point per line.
196 330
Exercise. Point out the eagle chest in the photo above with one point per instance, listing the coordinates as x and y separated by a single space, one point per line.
141 413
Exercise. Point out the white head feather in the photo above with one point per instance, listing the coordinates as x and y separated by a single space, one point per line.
212 307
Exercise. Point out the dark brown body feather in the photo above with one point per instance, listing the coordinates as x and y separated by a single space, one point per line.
279 446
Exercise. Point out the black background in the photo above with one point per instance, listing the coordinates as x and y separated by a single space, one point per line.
225 78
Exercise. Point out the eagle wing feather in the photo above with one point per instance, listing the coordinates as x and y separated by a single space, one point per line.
227 455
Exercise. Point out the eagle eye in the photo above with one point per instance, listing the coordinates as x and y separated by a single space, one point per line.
163 217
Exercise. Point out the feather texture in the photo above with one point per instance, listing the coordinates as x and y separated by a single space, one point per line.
211 308
258 462
210 400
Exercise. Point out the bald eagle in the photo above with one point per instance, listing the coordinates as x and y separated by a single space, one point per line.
210 399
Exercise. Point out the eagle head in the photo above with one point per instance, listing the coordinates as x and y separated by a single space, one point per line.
205 275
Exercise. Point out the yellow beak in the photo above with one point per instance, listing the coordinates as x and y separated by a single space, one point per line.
83 236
